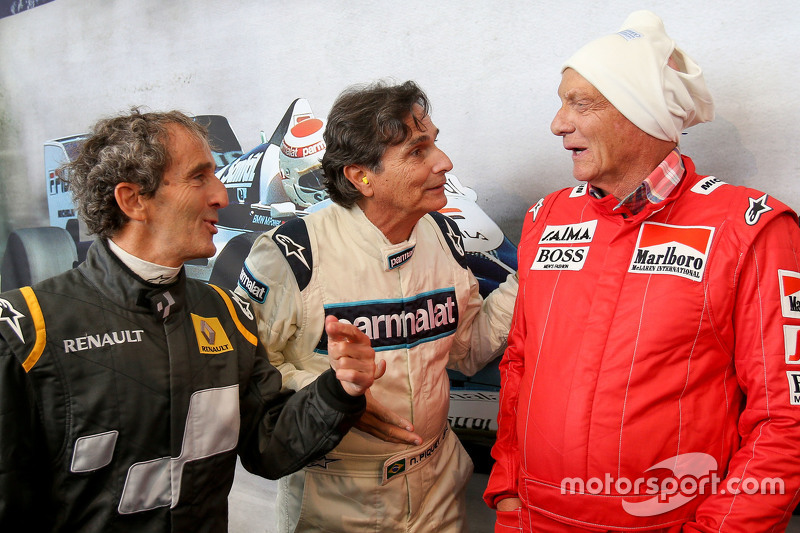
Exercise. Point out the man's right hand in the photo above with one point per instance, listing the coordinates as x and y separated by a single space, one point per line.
352 357
509 504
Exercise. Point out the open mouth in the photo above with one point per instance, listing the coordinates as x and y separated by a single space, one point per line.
576 150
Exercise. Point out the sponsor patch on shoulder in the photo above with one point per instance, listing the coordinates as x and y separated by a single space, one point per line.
453 237
580 190
535 209
794 387
673 250
243 304
456 240
790 293
757 208
256 289
708 185
211 337
11 316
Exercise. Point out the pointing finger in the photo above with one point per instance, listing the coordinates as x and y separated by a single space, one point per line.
343 332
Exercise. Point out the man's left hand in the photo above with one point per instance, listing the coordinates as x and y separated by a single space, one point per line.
386 424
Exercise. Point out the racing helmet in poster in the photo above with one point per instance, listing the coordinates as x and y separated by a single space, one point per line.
300 158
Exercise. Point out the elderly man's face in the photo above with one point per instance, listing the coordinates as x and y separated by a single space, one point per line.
182 215
606 147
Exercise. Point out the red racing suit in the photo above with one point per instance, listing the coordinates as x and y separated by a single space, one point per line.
653 364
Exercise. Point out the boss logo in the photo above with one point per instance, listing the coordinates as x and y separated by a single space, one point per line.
558 258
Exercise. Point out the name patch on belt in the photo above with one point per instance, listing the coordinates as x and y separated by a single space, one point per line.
402 464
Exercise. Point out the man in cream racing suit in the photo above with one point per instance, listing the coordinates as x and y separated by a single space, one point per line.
127 390
382 259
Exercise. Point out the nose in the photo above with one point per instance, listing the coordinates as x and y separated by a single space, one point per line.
443 163
219 194
560 125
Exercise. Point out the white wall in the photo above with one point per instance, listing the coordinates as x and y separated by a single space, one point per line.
491 69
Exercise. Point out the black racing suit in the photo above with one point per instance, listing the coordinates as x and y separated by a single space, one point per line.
123 405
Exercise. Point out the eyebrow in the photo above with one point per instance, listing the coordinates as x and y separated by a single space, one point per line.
421 138
574 94
200 167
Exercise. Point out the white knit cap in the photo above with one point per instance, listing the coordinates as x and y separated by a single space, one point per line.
630 69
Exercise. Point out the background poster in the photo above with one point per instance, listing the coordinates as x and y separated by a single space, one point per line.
490 68
12 7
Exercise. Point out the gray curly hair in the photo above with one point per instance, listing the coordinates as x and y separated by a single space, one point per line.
129 148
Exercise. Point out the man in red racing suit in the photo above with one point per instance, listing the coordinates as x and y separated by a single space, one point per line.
652 376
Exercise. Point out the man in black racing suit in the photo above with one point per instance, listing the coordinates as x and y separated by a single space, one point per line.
127 390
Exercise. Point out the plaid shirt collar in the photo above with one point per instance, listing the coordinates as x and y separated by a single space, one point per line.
655 187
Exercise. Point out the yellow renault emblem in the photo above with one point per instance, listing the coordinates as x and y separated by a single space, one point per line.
211 338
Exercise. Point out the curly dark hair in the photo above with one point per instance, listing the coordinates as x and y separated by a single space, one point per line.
129 148
363 122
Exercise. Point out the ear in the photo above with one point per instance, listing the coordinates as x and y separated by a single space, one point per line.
130 201
355 174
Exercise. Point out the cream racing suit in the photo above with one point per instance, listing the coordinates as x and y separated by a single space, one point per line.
123 405
419 304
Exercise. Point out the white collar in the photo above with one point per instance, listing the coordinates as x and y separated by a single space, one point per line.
150 272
